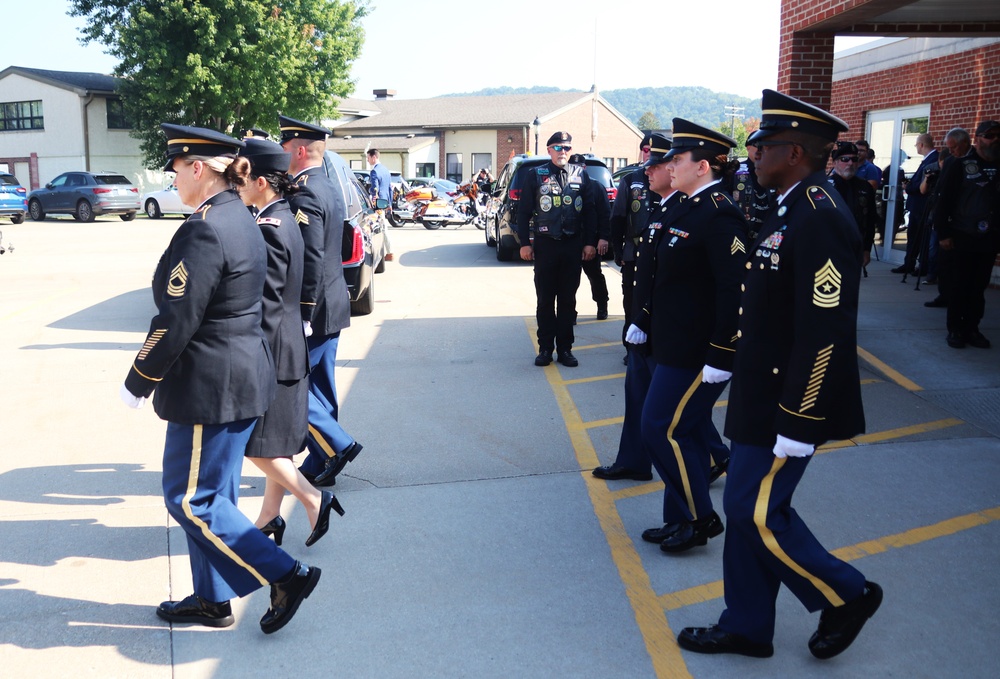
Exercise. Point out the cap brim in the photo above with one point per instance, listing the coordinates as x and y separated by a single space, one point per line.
169 167
761 134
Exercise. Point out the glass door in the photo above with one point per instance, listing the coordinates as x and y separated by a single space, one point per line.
892 134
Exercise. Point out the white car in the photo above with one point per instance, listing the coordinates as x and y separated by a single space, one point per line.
164 202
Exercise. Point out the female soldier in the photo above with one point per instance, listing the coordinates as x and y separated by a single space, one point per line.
209 364
281 432
691 316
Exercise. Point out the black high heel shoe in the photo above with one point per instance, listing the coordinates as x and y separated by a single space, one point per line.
328 502
275 527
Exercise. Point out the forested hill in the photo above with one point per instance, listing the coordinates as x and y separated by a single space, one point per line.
697 104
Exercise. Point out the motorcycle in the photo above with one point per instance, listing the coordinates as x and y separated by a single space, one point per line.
434 210
8 247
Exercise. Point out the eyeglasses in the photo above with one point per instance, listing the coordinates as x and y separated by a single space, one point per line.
645 149
990 136
561 147
847 159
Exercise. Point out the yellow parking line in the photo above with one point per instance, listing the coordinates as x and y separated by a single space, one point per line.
893 375
713 590
606 422
892 434
602 345
598 378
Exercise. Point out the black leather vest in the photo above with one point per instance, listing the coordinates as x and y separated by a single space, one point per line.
558 208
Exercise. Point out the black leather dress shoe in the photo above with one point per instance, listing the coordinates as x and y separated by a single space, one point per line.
310 477
717 470
658 535
568 359
902 269
936 302
543 358
615 473
602 312
839 626
693 534
714 640
287 595
328 502
977 339
955 340
336 464
195 609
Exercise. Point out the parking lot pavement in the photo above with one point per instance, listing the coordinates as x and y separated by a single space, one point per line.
476 541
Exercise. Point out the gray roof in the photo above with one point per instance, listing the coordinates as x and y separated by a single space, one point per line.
450 112
383 142
87 83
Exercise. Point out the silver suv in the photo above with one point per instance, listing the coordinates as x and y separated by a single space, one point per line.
85 195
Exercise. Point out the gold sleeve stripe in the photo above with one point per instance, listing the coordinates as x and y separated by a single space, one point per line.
816 378
723 348
145 376
150 342
178 280
308 303
301 217
760 514
197 521
807 417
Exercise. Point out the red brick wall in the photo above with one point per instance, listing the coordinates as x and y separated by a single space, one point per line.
517 144
960 88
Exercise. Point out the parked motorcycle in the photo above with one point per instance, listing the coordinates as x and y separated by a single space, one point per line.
3 248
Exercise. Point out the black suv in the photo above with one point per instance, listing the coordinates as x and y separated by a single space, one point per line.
501 231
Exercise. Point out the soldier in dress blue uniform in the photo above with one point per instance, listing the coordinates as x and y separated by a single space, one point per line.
320 211
255 133
281 432
630 216
689 318
795 386
558 200
208 364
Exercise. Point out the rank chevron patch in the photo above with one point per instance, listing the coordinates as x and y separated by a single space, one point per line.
826 286
301 217
737 246
178 280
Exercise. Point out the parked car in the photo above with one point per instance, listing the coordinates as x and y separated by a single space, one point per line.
85 195
501 230
365 245
13 198
621 172
165 202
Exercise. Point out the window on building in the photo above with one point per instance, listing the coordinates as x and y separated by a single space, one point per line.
21 115
116 115
622 162
610 162
425 169
453 167
481 160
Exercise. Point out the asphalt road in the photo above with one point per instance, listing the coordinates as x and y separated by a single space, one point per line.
476 542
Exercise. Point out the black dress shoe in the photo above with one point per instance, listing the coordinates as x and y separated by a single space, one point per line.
977 339
602 312
615 473
310 477
275 527
956 340
717 470
568 359
658 535
839 626
287 595
902 269
936 302
714 640
692 534
195 609
543 358
336 464
328 502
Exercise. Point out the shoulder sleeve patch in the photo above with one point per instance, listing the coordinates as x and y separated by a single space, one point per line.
178 280
826 286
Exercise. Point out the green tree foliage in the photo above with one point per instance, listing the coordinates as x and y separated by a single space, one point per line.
226 64
647 121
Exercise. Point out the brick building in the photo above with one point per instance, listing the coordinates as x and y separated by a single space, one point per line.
937 67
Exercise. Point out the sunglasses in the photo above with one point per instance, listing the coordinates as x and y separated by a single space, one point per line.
645 149
561 147
847 159
989 136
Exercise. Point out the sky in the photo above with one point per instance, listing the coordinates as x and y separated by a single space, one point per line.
446 47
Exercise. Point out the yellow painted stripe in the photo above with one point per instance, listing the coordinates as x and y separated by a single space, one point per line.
606 422
598 378
638 490
771 542
321 442
192 488
893 375
915 536
649 614
892 434
602 345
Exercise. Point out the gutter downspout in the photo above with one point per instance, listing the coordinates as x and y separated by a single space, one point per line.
86 131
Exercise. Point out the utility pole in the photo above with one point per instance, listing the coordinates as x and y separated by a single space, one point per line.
734 112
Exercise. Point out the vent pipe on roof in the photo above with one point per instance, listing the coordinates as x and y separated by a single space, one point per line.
383 94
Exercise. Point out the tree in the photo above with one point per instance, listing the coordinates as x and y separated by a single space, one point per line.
226 64
648 121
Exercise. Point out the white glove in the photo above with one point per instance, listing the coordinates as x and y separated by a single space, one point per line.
130 399
634 335
712 375
307 328
788 448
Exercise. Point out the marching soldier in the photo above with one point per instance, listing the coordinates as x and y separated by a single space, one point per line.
795 386
208 363
320 212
